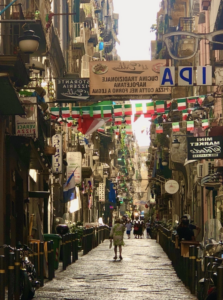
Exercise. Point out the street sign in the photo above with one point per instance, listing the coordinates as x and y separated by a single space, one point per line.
72 89
57 159
186 76
204 147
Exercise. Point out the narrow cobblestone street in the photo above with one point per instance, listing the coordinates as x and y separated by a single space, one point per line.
144 273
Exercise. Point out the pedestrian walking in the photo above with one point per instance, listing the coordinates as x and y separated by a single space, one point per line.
128 228
148 229
137 228
117 234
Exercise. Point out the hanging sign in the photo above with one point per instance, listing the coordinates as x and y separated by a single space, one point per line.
101 192
72 89
126 78
74 161
57 159
26 125
186 76
204 147
171 186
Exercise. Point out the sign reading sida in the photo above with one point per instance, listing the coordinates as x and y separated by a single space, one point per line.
186 76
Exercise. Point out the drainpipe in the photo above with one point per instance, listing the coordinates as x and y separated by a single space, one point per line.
4 9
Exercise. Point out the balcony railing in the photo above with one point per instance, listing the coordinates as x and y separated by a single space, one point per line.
78 33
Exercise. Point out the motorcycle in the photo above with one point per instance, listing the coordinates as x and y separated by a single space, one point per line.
28 282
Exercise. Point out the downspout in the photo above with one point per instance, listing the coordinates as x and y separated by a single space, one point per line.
4 9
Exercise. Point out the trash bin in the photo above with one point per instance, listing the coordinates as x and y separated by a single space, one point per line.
62 229
56 247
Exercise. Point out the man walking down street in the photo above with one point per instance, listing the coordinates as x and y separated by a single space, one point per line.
128 228
148 229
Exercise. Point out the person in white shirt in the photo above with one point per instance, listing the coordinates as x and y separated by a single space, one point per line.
128 228
148 229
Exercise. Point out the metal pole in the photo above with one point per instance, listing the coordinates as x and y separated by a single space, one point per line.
192 264
53 257
49 260
64 251
41 263
2 277
219 283
17 274
35 248
11 276
73 247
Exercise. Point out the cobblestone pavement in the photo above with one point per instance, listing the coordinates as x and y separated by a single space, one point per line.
144 273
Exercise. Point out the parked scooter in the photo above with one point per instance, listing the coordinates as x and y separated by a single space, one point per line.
28 282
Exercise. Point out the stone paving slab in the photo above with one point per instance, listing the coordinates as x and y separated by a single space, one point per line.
144 273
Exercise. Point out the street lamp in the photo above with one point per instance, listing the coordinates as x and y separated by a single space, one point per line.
28 43
175 143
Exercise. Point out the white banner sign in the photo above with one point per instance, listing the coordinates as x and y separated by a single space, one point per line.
57 159
74 160
27 125
101 192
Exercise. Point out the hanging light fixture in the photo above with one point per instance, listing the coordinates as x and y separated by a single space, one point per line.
29 43
164 163
176 144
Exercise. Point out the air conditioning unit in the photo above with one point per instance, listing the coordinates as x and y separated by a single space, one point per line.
200 170
204 169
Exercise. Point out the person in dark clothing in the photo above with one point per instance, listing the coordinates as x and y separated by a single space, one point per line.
184 232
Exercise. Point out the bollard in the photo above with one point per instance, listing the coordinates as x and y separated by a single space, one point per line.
73 248
52 259
64 251
31 256
17 274
192 267
11 269
219 283
96 243
69 249
76 246
2 277
41 263
35 249
49 260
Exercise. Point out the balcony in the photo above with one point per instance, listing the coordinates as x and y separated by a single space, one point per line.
78 38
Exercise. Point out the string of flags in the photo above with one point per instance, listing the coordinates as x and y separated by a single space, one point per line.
176 126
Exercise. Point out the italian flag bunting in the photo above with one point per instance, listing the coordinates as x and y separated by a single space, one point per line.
184 114
107 111
150 108
160 106
128 109
65 112
128 129
191 99
168 104
86 111
139 109
55 112
101 129
201 99
97 112
75 112
70 122
118 120
159 128
205 124
147 116
175 126
128 120
190 125
182 104
118 110
136 117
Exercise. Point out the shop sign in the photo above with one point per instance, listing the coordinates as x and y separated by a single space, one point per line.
26 125
186 76
171 186
101 192
204 147
72 89
74 161
127 78
57 159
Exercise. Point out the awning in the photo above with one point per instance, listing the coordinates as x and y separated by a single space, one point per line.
9 103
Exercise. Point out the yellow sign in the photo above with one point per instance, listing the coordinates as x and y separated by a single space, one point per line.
127 78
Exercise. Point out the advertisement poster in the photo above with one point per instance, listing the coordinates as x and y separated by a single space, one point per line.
74 160
57 158
26 125
127 78
72 89
204 147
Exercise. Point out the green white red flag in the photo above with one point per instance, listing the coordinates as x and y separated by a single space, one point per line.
118 120
190 125
55 112
150 108
191 99
138 108
184 114
205 124
128 120
168 104
159 128
128 129
97 112
181 104
65 112
70 121
75 112
128 109
160 106
86 111
175 126
136 117
118 111
107 111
